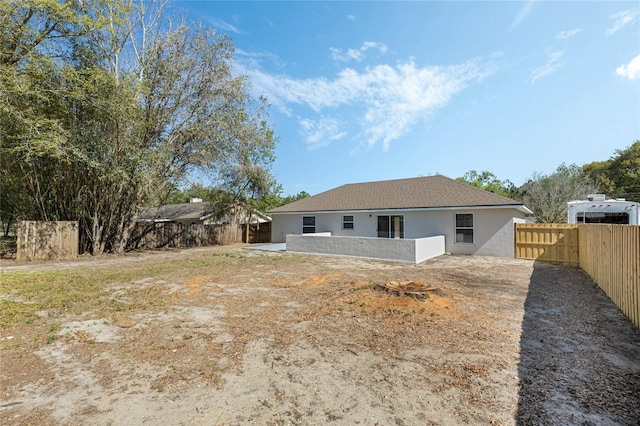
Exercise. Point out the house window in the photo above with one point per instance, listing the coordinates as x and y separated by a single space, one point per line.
464 228
347 222
308 224
390 227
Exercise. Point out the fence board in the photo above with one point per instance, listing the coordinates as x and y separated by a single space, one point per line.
47 240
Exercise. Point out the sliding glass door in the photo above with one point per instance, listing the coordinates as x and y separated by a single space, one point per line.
390 226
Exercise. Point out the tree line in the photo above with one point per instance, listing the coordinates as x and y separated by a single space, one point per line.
269 199
107 106
547 194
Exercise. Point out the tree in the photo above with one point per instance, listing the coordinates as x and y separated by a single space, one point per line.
599 172
489 182
272 197
28 25
619 176
291 198
269 199
29 93
547 195
13 202
125 114
196 190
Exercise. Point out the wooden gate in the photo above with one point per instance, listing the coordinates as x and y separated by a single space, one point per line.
258 233
551 242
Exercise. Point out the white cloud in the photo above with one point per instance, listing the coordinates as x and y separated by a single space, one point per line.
522 14
356 54
351 17
563 35
320 133
386 101
255 58
552 65
223 25
621 19
630 71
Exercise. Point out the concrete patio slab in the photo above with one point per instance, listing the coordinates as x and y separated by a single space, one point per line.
280 247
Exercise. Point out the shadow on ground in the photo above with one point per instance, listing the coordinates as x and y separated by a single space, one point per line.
579 355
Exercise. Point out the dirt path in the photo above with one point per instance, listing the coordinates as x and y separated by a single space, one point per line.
273 338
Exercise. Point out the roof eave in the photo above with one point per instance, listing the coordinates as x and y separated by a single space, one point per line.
524 209
520 207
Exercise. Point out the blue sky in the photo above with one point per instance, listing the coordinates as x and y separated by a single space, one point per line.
364 91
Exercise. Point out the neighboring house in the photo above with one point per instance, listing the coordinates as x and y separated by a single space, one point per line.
471 220
201 212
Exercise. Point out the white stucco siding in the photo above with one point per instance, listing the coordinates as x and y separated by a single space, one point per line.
427 223
364 225
283 224
494 232
492 228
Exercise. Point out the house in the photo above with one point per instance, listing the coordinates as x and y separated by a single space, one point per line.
199 223
437 213
202 212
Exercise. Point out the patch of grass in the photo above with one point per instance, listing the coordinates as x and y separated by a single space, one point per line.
101 290
17 313
130 299
56 288
230 255
83 289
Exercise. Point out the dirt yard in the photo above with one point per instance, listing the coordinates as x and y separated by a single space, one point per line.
230 336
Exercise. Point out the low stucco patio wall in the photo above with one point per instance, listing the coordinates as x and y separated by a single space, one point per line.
402 250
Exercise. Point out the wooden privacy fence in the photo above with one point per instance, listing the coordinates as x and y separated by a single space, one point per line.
179 235
60 240
610 254
47 240
551 242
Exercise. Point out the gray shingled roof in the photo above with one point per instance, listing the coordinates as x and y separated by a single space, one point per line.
171 212
203 210
422 192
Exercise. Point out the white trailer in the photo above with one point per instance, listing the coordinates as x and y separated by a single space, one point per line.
597 209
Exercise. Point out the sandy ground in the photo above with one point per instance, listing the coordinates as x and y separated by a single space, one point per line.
278 339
